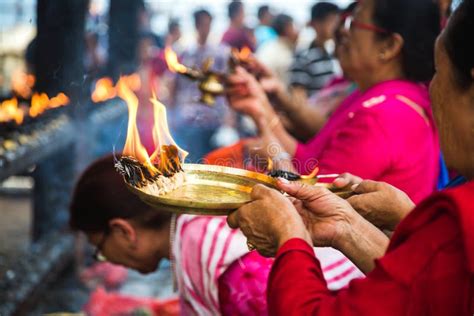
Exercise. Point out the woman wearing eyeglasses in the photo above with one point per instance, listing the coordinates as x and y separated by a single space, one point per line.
384 130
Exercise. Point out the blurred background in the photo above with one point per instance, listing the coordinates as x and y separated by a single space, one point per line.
59 61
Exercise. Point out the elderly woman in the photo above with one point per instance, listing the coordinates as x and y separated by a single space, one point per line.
384 130
428 268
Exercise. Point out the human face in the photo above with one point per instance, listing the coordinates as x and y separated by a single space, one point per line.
203 28
359 49
326 28
291 33
453 109
132 246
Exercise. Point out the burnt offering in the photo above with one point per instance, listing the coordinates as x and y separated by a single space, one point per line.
154 178
288 175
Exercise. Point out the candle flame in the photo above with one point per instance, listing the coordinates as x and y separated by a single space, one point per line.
105 89
9 111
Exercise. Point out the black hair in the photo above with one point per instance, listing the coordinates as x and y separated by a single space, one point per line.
234 8
262 10
458 41
101 195
280 23
322 10
418 23
199 14
350 8
173 25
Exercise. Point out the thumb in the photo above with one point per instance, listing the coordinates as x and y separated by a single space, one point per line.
367 186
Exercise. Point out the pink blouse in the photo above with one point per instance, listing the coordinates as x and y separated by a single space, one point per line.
386 133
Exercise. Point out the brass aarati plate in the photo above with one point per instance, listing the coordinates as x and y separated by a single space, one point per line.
209 190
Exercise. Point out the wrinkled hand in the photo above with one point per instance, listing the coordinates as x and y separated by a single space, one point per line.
268 221
245 94
380 203
346 181
327 217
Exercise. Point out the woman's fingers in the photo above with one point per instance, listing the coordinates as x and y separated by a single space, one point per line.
300 190
368 186
346 179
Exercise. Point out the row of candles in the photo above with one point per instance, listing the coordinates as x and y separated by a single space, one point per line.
16 110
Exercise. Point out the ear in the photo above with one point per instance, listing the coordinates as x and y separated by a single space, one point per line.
392 47
124 228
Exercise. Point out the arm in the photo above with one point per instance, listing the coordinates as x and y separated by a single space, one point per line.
297 287
306 121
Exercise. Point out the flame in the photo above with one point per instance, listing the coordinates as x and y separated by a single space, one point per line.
172 61
269 164
22 83
133 145
9 111
40 102
312 175
133 81
60 100
167 154
244 53
162 137
104 90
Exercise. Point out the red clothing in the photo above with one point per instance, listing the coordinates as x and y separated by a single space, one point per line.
428 268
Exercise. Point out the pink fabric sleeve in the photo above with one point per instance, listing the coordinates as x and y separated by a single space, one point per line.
361 148
242 288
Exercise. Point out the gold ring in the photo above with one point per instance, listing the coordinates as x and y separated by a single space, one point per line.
251 246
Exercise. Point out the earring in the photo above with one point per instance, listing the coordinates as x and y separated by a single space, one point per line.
382 56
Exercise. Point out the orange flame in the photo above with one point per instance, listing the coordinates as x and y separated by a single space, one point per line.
244 53
60 100
133 81
312 175
40 102
162 136
163 155
104 90
22 83
172 61
9 111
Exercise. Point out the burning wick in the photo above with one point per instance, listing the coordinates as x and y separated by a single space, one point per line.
161 172
210 83
291 176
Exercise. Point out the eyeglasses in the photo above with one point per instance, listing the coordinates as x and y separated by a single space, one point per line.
350 23
97 255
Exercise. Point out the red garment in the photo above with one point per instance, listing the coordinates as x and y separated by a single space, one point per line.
428 268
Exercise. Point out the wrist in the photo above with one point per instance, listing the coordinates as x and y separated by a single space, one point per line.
294 229
350 227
